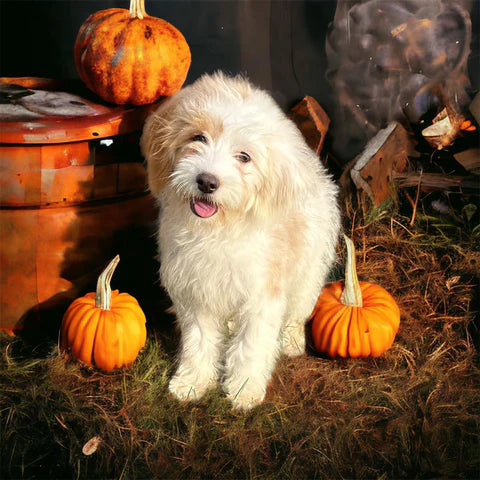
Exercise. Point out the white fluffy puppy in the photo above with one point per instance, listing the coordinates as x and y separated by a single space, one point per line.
247 232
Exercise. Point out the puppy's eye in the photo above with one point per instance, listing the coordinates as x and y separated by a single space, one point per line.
200 138
243 157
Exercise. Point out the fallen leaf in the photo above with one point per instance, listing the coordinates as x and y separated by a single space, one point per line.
92 445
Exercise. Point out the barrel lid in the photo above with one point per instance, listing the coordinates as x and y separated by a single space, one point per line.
37 110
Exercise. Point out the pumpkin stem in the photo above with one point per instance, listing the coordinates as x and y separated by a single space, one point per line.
103 294
137 9
352 294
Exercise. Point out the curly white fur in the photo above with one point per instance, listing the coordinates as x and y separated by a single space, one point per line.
259 255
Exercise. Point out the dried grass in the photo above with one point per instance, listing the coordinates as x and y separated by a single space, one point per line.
412 413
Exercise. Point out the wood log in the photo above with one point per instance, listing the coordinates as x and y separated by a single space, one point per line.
444 128
312 121
438 181
384 156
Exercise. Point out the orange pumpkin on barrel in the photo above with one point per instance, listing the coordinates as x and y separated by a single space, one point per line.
129 57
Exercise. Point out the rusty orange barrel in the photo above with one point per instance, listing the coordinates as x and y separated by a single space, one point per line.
72 195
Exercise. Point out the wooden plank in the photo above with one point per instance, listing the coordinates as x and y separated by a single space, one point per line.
312 121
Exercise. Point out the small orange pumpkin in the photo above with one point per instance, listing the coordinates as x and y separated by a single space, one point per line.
129 57
352 318
104 329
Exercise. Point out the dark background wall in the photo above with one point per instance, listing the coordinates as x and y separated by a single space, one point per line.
278 44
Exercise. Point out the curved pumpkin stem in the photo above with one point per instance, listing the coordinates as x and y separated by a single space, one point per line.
103 294
352 294
137 8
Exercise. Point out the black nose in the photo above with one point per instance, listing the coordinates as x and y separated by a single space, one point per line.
207 183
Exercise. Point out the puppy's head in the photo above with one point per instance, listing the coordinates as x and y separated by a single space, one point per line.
222 145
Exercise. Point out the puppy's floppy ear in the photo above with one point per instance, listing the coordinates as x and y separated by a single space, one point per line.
156 145
293 169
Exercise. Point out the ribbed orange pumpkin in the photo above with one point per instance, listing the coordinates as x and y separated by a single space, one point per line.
129 57
104 329
354 319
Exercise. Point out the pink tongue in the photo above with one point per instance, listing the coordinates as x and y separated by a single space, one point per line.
204 209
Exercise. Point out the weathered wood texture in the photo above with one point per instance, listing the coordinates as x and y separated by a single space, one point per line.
384 156
312 121
70 189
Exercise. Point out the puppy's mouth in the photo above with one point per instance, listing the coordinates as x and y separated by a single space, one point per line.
203 208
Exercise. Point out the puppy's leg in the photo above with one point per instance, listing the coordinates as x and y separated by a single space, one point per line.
301 302
251 358
292 338
198 360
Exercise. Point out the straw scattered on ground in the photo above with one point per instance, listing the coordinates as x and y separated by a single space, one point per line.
412 413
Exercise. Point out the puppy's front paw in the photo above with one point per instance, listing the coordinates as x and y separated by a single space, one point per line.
184 388
293 342
244 396
294 347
